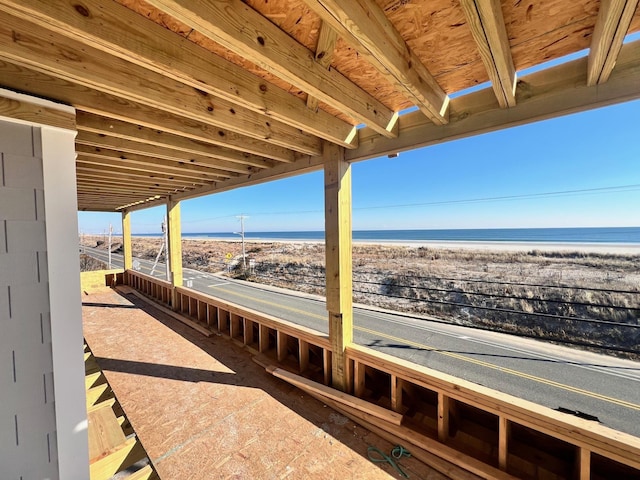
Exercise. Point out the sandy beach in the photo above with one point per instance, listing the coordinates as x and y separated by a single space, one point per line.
602 248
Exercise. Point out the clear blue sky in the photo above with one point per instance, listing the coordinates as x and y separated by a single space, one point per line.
428 188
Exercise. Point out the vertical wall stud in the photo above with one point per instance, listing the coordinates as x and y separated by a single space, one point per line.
585 464
396 394
504 430
443 417
303 355
281 345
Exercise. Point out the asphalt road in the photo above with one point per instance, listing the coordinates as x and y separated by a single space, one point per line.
604 387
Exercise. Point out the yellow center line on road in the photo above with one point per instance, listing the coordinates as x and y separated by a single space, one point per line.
510 371
273 304
457 356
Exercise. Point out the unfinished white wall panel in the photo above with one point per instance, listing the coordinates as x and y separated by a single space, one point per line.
63 264
42 400
27 408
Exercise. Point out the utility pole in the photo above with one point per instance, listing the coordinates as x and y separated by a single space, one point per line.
241 233
162 245
110 232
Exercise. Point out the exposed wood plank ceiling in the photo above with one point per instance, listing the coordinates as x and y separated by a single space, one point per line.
181 98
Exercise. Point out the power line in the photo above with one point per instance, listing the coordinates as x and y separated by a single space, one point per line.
577 192
617 188
493 282
505 310
498 295
495 309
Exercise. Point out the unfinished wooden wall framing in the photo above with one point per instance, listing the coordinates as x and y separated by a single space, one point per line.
475 427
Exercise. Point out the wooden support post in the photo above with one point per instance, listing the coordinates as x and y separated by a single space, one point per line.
359 377
339 283
126 240
504 431
585 464
443 417
396 394
281 346
303 355
263 336
174 248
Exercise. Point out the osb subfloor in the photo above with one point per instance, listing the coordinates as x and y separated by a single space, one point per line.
203 410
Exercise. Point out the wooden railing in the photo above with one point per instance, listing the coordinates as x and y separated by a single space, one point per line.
485 426
306 350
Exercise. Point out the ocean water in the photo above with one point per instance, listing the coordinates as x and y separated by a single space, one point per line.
614 235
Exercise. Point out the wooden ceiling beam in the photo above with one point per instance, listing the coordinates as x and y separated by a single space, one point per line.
20 78
112 198
106 25
86 179
239 28
23 43
88 187
29 112
555 92
136 184
106 170
97 173
612 25
148 164
486 23
96 140
93 206
550 93
325 51
364 25
118 129
276 173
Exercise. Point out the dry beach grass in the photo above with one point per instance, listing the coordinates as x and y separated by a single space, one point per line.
495 289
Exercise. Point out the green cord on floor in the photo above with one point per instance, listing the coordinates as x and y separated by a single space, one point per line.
396 454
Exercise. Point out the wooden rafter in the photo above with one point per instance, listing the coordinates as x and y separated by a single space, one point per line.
280 171
106 25
612 24
325 50
180 158
23 43
87 187
106 169
239 28
486 22
117 129
364 25
92 184
95 174
559 91
143 181
147 164
103 104
550 93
